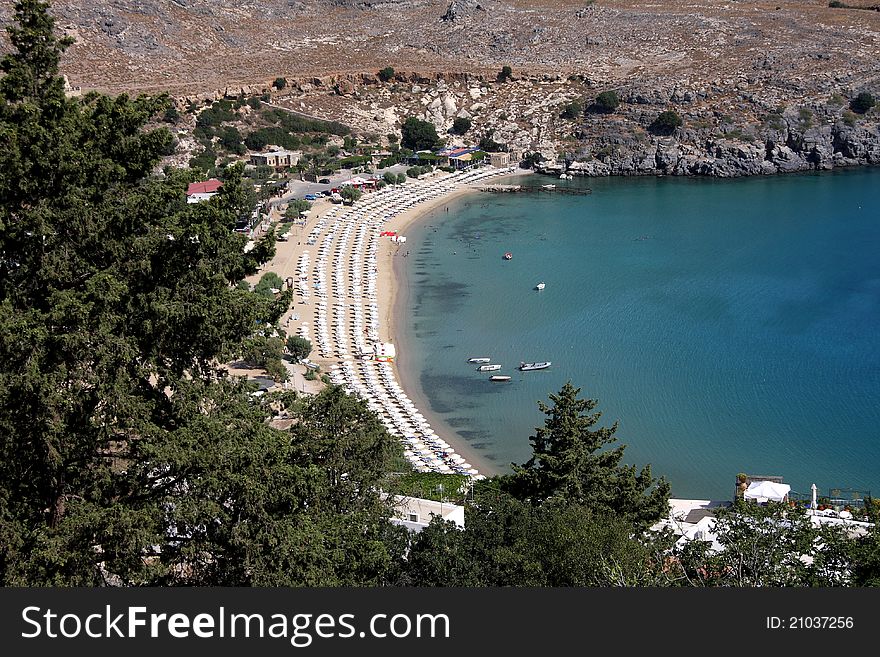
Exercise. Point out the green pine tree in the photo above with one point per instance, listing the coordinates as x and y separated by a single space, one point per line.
127 455
570 463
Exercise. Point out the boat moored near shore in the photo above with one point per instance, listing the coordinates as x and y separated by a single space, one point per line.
479 359
527 367
488 368
499 377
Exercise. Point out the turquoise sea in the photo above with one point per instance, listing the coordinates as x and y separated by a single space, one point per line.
728 325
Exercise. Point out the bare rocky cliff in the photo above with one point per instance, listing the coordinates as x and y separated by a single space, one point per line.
761 86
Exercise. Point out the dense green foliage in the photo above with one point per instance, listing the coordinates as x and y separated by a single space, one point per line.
230 139
777 545
295 208
505 74
298 347
530 159
489 145
415 172
268 281
280 83
350 193
666 123
419 135
510 543
262 137
386 74
126 455
171 115
301 124
569 465
215 115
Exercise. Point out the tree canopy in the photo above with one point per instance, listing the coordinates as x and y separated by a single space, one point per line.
350 193
419 135
127 454
295 208
569 464
298 347
461 125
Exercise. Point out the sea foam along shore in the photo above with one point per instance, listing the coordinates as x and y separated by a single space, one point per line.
357 286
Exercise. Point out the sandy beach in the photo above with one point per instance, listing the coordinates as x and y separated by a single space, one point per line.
394 294
305 261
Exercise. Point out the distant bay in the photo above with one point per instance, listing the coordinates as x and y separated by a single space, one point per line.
729 325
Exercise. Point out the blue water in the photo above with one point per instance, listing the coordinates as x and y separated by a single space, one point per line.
729 326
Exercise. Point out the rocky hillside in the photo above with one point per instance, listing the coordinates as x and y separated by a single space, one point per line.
760 86
789 45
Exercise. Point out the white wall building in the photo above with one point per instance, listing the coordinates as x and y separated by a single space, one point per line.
416 513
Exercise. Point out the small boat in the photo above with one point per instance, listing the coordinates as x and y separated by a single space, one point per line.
548 187
508 256
499 377
566 176
540 286
527 367
481 359
488 368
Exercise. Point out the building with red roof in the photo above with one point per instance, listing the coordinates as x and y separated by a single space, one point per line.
202 191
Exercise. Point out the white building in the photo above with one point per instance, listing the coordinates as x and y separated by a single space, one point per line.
416 513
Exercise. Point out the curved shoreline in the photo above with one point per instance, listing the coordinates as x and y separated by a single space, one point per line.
349 293
394 292
406 372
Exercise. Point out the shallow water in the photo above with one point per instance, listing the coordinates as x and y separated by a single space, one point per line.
730 326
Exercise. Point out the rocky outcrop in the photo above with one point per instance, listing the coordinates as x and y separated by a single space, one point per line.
826 147
461 9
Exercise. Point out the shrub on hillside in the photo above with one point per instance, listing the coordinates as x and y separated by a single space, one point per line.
666 123
606 102
862 103
572 110
461 125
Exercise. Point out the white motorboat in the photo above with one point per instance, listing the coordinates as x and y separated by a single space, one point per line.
527 367
480 359
488 368
540 286
499 377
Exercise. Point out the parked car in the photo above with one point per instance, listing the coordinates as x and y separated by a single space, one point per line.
324 181
311 197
